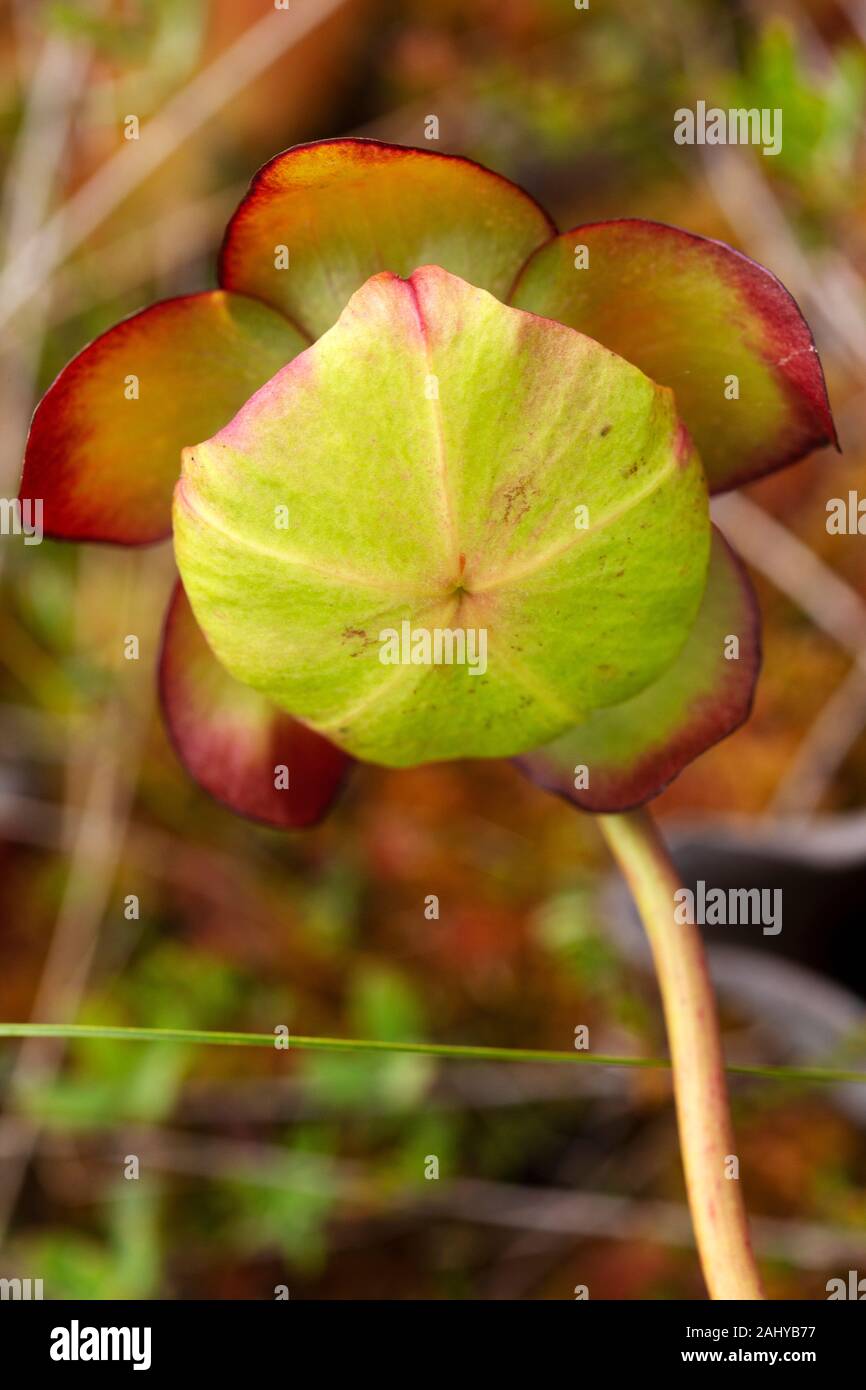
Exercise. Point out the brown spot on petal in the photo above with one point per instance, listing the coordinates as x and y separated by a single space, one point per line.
516 499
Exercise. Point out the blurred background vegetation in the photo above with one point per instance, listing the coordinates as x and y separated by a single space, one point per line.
261 1168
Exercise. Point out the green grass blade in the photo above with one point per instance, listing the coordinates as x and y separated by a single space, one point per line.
446 1051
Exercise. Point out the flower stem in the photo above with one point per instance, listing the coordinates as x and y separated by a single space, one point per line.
703 1113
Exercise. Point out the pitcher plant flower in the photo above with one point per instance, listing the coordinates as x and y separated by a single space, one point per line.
438 478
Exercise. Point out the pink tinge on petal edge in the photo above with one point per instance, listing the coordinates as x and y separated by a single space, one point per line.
244 751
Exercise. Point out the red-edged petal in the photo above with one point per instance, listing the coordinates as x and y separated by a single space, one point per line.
634 749
342 210
234 741
104 446
703 319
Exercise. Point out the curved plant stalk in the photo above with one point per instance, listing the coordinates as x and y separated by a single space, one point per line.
703 1112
